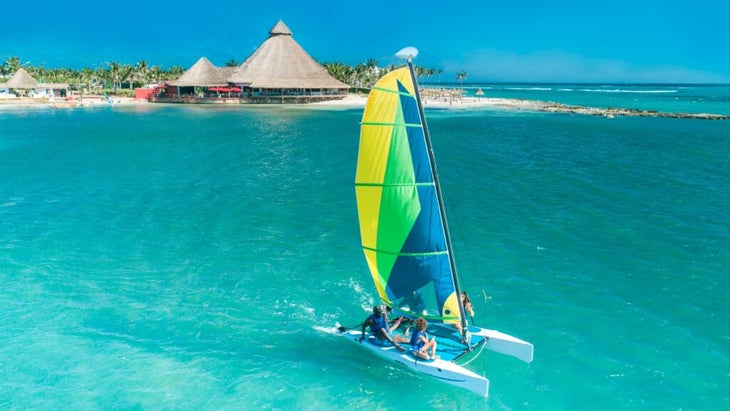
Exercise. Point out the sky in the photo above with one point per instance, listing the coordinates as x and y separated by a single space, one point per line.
581 41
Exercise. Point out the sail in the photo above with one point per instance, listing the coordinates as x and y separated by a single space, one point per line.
401 226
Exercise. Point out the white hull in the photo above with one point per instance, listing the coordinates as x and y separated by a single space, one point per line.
497 341
445 371
506 344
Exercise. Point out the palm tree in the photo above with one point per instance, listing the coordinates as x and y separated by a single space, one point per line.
231 63
461 76
141 71
87 77
114 74
157 73
12 64
175 72
127 74
340 71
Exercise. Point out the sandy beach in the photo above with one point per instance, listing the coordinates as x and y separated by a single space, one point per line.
75 101
527 105
359 100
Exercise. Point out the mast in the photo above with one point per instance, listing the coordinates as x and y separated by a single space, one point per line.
409 53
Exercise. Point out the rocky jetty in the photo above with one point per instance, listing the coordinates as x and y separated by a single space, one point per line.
613 112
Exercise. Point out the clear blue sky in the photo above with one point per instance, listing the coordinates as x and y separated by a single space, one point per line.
492 40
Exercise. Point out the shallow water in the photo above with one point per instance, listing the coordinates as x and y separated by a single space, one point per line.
188 257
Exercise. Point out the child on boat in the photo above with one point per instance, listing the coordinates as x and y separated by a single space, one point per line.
421 344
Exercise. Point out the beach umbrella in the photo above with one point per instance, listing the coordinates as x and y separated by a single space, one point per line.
479 92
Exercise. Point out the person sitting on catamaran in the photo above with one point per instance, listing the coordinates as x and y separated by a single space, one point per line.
420 343
468 307
378 323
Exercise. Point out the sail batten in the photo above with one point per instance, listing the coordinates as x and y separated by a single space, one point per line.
391 185
392 124
403 254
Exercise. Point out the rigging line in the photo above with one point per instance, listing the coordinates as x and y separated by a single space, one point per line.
475 356
468 253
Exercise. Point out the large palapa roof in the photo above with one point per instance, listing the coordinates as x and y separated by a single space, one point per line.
204 73
21 79
280 62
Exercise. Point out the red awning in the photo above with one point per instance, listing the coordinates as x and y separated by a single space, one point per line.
214 88
236 89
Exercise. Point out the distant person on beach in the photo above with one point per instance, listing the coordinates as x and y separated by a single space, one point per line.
421 344
378 323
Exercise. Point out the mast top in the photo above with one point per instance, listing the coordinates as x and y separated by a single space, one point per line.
408 53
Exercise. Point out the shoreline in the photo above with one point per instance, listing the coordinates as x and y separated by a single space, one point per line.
357 101
352 101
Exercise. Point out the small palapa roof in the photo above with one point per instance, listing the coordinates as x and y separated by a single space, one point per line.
280 62
21 79
204 73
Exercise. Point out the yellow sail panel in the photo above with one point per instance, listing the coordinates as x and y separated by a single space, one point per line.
368 209
373 155
450 310
376 138
372 258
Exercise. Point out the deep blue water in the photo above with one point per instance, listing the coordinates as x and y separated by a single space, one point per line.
201 257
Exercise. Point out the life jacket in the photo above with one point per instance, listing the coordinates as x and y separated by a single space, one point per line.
416 341
378 324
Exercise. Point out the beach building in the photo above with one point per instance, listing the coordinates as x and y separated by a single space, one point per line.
22 84
203 83
278 71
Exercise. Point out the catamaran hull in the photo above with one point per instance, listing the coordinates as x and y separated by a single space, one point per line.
506 344
441 370
497 341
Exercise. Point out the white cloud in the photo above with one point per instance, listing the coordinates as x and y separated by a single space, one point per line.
559 66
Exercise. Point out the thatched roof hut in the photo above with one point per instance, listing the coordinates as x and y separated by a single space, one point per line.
280 63
21 80
204 73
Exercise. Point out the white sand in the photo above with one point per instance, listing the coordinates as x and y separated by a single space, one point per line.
354 100
359 100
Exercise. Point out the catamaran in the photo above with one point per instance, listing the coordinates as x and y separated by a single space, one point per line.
405 236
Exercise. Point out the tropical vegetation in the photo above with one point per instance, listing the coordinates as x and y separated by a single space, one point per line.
115 77
364 75
111 77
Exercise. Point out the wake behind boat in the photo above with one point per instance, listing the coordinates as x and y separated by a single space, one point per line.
405 236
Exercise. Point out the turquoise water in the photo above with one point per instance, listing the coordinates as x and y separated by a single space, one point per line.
678 98
201 258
